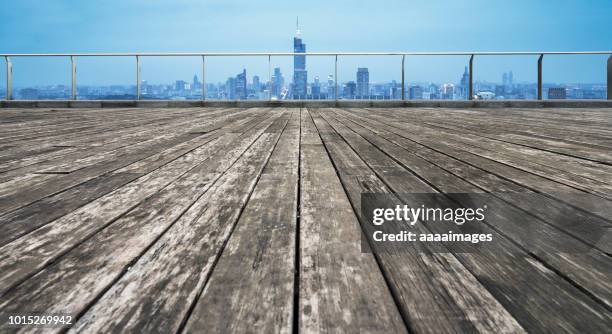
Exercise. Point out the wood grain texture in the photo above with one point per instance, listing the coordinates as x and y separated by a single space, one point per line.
341 287
586 266
433 289
251 288
181 220
158 291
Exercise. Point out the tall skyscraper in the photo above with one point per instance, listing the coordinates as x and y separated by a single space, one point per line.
196 83
464 84
230 88
277 82
331 87
508 79
300 75
363 83
179 86
316 88
350 89
448 91
256 84
241 85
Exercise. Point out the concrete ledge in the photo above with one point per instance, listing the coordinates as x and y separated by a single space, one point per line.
311 104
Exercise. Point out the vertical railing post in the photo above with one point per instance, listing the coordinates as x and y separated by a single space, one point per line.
336 78
610 78
203 78
403 82
9 78
137 77
471 74
270 78
540 76
73 94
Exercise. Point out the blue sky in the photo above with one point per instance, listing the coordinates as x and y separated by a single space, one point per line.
30 26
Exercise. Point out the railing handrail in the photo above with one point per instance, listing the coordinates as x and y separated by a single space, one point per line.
240 54
9 65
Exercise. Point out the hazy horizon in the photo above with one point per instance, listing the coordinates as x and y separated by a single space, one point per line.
266 26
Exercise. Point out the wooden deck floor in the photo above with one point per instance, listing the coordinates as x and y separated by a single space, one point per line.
245 220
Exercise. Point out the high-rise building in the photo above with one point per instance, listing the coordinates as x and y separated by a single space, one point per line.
557 93
350 89
300 75
464 84
415 93
256 84
241 85
508 79
331 86
316 88
363 83
500 91
277 82
230 88
395 93
434 91
179 86
447 91
196 82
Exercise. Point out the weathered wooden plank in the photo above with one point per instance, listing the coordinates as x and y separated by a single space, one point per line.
577 166
158 291
576 177
341 288
433 289
37 191
55 185
20 222
145 165
586 266
582 225
76 280
518 269
15 181
28 255
109 140
541 183
98 249
490 123
251 288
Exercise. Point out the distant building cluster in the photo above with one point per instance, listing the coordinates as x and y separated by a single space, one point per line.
239 87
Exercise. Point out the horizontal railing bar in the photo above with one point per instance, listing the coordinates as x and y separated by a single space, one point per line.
241 54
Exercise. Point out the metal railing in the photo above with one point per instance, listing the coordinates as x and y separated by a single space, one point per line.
403 55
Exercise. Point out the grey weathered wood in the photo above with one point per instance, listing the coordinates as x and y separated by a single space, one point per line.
203 237
109 140
73 282
28 218
341 287
433 289
251 288
583 225
578 260
549 183
35 192
570 316
49 242
158 291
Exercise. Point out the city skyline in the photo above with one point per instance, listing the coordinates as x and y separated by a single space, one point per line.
243 26
238 87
